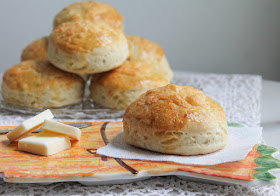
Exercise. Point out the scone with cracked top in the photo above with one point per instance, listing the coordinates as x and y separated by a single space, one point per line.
84 47
118 88
40 84
90 10
176 120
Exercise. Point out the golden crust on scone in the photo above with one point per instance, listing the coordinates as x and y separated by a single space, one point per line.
83 36
128 76
40 84
84 47
36 50
90 10
176 120
121 86
141 49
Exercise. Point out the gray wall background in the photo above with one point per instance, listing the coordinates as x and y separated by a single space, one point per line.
219 36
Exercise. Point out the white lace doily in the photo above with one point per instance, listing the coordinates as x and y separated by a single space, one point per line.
157 186
239 95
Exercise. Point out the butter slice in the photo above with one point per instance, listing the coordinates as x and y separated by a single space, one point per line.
29 125
44 143
63 129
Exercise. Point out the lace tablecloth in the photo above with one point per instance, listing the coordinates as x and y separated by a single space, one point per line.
240 97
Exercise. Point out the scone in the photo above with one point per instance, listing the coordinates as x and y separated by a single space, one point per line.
90 10
120 87
36 50
40 84
176 120
141 49
84 47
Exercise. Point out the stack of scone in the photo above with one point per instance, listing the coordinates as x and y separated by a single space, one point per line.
87 39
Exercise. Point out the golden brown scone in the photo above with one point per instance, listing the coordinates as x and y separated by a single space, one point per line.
90 10
36 50
40 84
176 120
84 47
141 49
118 88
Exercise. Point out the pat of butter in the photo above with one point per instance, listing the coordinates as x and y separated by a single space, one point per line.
44 143
29 125
63 129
